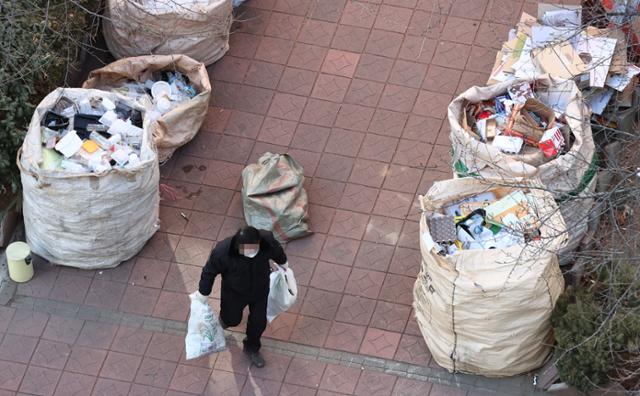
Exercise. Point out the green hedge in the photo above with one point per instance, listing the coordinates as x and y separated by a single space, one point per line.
39 40
597 328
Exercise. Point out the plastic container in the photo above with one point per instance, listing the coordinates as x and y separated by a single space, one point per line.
160 89
19 262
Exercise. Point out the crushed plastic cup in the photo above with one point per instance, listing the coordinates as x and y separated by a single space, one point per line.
163 105
160 89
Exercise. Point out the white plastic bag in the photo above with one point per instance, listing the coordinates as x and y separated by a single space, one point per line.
204 333
283 292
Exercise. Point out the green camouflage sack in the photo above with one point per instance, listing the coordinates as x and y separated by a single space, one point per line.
273 197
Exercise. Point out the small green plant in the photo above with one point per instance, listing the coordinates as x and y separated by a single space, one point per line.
39 40
597 328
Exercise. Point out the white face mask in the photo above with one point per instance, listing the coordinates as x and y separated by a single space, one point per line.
250 253
249 250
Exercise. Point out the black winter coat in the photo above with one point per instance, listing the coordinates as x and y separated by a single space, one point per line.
246 277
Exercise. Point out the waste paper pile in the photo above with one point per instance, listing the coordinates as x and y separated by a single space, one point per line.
530 128
522 199
484 221
596 58
518 121
489 275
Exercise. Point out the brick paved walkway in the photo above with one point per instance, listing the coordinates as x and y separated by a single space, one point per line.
357 93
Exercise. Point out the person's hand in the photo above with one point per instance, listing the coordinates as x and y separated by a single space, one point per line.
199 297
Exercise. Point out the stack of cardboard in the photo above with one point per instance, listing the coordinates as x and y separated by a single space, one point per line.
557 42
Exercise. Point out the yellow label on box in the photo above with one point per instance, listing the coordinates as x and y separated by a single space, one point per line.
90 146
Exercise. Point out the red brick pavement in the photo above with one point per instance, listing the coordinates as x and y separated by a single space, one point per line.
42 354
356 91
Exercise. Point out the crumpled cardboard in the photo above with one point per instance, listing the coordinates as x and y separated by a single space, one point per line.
522 123
560 60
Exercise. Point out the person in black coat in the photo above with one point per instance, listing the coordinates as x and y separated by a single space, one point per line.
243 263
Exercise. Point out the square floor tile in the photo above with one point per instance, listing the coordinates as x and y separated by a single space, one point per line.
359 14
365 283
310 331
375 383
349 224
350 38
51 354
85 360
190 379
368 172
320 304
382 229
354 117
75 384
131 340
96 335
40 381
389 123
306 56
305 372
345 337
374 256
380 343
330 87
364 92
340 379
120 366
30 323
359 198
17 348
341 63
331 277
391 317
355 310
155 372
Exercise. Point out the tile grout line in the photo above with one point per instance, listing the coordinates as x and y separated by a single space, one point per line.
389 366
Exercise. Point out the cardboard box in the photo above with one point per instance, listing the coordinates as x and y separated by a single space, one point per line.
551 142
512 211
560 60
523 121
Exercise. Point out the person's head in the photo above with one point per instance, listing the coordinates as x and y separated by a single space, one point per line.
247 241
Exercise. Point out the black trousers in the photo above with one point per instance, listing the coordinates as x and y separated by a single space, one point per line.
231 307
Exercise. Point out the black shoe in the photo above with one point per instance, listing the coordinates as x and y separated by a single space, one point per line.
255 358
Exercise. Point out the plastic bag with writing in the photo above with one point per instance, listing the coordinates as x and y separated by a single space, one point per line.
204 333
282 293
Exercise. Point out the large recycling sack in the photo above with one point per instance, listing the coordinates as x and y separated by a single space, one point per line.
196 28
274 198
570 177
283 291
87 220
178 126
204 333
487 311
